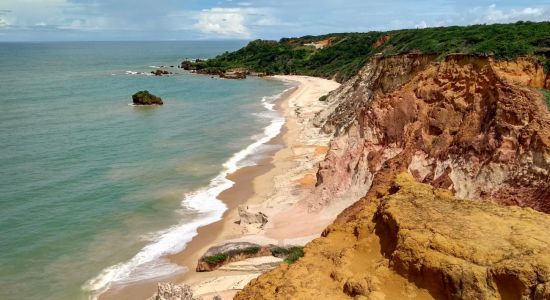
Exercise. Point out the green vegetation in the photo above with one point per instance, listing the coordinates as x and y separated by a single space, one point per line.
215 259
223 256
251 250
323 98
294 254
291 254
349 52
546 94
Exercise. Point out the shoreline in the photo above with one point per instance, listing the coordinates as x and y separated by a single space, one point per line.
253 186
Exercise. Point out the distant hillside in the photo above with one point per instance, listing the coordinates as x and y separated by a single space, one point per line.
341 55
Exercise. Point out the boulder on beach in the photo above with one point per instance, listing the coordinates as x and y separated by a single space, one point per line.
146 98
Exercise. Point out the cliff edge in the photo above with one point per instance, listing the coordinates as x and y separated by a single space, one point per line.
450 248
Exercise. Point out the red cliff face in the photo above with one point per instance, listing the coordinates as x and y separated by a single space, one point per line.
465 127
474 126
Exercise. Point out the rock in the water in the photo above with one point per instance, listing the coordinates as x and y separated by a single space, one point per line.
160 72
170 291
146 98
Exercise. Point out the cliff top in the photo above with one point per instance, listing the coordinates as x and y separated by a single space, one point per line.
348 52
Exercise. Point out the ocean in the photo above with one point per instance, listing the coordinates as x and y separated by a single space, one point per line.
95 191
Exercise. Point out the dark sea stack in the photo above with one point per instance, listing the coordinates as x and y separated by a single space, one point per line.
146 98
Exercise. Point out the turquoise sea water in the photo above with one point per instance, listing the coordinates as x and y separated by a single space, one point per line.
93 190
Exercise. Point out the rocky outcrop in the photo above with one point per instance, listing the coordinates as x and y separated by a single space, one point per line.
170 291
218 256
146 98
249 218
160 72
448 247
239 73
472 125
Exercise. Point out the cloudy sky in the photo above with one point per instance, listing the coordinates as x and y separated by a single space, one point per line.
39 20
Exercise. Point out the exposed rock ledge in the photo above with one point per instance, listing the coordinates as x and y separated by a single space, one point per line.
450 248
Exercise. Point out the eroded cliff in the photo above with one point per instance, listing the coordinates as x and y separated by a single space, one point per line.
468 127
450 249
475 126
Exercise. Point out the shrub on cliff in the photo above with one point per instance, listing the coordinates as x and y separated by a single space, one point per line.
215 259
294 254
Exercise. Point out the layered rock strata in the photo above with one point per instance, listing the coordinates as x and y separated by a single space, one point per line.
472 125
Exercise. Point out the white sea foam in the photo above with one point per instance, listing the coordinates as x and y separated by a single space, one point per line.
137 73
150 263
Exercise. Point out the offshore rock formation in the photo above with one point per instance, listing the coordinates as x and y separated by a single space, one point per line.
146 98
160 72
472 125
450 248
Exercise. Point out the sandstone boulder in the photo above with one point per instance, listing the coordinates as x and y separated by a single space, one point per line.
250 217
170 291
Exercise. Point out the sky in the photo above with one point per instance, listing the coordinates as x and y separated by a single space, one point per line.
116 20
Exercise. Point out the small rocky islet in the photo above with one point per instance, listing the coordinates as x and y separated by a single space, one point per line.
146 98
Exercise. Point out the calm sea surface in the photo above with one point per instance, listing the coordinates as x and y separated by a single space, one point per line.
94 191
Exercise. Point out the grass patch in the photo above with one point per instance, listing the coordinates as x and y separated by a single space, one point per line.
251 250
291 254
221 257
294 254
215 259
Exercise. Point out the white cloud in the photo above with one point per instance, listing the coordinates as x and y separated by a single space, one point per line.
492 14
421 25
27 13
223 21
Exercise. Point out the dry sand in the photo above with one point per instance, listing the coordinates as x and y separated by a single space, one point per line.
275 187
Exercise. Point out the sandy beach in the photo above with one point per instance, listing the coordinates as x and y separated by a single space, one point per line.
274 187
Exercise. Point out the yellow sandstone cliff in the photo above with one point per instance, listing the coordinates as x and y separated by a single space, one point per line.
449 248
